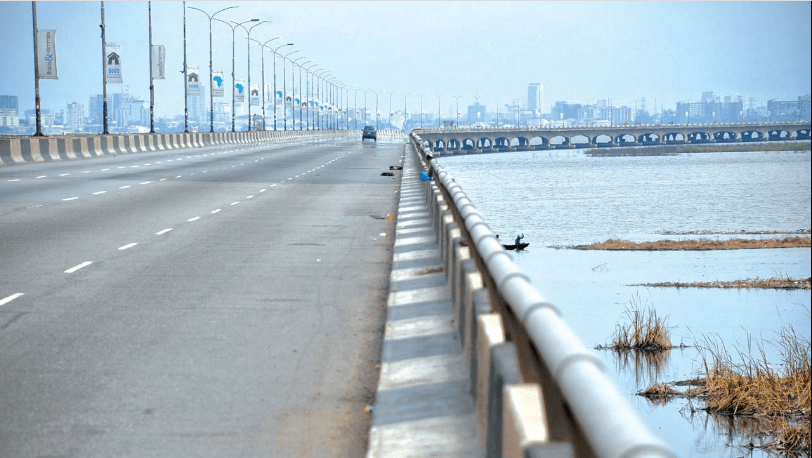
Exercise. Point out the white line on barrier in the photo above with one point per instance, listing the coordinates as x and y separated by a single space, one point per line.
163 231
193 219
127 246
75 268
10 298
69 198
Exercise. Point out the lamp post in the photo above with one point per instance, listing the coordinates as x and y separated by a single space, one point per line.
274 82
233 65
390 107
319 102
377 112
326 95
457 121
285 90
264 99
439 112
421 109
211 96
333 121
309 92
497 112
248 41
405 110
300 90
366 123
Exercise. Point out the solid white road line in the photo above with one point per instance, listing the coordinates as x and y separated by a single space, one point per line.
163 231
193 219
10 298
75 268
127 246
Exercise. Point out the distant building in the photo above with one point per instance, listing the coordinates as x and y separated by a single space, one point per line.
476 113
197 106
533 97
789 110
76 117
8 111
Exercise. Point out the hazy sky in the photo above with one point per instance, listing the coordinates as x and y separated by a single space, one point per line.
582 51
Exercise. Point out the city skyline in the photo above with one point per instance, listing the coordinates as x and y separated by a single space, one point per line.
762 51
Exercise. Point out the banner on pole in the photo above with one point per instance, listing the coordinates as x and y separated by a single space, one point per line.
288 100
46 50
217 89
158 62
113 64
278 97
255 95
193 81
239 91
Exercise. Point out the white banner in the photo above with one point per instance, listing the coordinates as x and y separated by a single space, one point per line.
255 95
46 50
158 62
278 97
217 89
193 81
113 64
239 91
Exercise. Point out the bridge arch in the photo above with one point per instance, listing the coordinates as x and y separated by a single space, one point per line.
468 144
439 145
625 139
779 134
649 139
559 140
753 136
602 140
539 141
484 143
699 137
724 136
581 141
501 143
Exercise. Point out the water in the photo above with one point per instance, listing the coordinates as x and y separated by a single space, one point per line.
560 199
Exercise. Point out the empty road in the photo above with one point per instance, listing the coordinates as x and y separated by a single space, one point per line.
208 302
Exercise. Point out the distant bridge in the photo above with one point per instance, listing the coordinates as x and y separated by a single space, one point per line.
461 141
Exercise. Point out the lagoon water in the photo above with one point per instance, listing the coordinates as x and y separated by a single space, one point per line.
559 199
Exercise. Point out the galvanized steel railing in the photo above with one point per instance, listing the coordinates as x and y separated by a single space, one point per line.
581 405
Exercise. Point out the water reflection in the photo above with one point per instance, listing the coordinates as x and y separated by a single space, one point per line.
646 365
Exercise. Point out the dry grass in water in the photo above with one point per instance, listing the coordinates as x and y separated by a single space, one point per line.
779 399
768 283
701 244
646 331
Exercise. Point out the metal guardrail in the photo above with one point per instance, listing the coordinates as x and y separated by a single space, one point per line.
581 406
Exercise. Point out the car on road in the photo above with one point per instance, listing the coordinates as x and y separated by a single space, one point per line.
369 132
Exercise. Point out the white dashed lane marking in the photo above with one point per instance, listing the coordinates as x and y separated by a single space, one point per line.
69 198
216 211
8 299
193 219
164 231
99 192
127 246
80 266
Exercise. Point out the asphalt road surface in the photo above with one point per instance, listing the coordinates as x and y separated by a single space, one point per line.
209 302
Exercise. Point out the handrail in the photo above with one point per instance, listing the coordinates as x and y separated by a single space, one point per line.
581 403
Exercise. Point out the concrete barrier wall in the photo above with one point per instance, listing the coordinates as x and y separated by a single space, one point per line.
542 393
16 150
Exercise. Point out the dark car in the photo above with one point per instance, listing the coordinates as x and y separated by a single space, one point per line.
369 132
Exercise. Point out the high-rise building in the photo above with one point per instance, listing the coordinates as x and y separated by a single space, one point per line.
8 111
76 117
533 97
476 113
197 106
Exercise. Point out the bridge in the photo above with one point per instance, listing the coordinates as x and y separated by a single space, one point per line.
470 140
295 294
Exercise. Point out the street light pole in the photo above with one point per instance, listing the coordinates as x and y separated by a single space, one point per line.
233 65
457 119
285 90
185 82
274 82
264 99
248 41
309 92
293 75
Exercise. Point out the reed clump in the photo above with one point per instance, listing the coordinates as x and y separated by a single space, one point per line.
755 388
646 331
